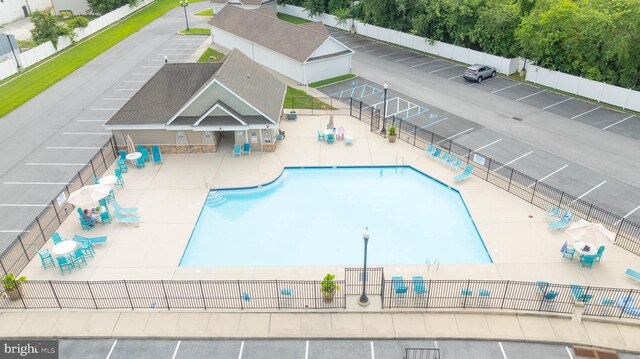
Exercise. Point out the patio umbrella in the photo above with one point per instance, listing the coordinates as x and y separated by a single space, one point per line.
88 195
131 148
593 233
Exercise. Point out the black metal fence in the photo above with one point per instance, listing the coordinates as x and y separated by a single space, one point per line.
18 254
421 353
526 187
312 105
354 280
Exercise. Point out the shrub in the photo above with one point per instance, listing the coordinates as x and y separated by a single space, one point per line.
77 22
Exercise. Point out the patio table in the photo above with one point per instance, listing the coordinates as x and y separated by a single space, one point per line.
579 247
134 156
63 248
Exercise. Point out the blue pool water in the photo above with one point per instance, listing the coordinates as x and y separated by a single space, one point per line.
316 216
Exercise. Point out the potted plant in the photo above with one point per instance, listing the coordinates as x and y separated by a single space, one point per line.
392 134
329 286
11 285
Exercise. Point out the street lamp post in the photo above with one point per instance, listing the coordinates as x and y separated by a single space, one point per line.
384 112
13 51
353 27
364 300
184 6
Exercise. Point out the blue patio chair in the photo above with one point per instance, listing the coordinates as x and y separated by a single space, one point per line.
46 259
140 162
587 261
57 238
554 212
246 149
92 240
579 295
87 248
104 203
123 154
484 292
632 276
126 219
112 196
237 150
567 251
599 254
418 285
77 257
105 217
465 174
331 138
125 211
64 263
436 153
466 292
550 295
118 174
157 156
429 150
96 180
320 135
122 165
286 292
246 297
145 153
398 285
86 226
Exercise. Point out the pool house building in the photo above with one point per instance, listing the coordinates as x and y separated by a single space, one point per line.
203 107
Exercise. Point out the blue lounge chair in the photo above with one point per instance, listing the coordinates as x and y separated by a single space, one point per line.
46 259
628 305
451 160
567 251
560 225
484 292
632 276
579 295
554 212
86 246
126 219
599 254
418 285
445 157
57 238
157 156
320 135
587 261
64 263
436 153
456 163
429 150
398 285
237 150
465 174
246 149
466 292
140 162
331 138
125 211
92 240
145 152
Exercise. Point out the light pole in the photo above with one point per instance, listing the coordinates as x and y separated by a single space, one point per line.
185 6
384 112
364 300
353 27
13 51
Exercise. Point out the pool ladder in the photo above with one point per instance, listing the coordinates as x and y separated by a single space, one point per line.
400 162
436 263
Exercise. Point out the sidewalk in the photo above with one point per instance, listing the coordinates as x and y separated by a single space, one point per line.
282 325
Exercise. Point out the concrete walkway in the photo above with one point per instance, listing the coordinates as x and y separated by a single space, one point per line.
288 325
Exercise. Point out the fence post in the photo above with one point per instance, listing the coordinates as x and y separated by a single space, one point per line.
510 179
351 106
533 194
504 295
112 141
240 293
432 134
450 145
589 213
468 155
166 298
204 302
464 301
80 178
428 291
360 112
561 197
93 168
55 295
277 293
415 134
22 245
95 304
104 161
41 230
55 210
626 303
488 170
126 288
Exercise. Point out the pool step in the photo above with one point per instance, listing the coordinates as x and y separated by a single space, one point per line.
215 199
218 203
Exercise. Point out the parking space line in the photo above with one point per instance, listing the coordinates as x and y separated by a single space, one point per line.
485 146
150 67
457 134
448 67
406 58
393 53
429 124
112 347
144 73
512 161
435 344
424 63
23 205
557 103
373 355
104 109
12 231
584 113
72 148
175 352
569 352
502 350
87 133
613 124
633 210
549 175
306 350
36 183
53 164
455 77
134 81
533 94
241 349
126 89
589 191
91 120
508 87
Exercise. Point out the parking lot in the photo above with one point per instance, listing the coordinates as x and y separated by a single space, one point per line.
597 115
307 349
577 180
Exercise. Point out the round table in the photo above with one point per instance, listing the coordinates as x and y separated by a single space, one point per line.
578 246
65 247
134 156
108 180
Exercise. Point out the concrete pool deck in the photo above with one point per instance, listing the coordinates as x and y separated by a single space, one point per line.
170 195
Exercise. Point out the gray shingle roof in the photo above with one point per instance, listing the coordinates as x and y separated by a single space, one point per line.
174 85
294 41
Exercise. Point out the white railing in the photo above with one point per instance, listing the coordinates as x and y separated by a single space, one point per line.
28 58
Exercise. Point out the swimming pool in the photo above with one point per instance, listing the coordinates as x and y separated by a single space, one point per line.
316 216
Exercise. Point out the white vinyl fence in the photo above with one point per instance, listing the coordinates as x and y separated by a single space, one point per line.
599 91
453 52
28 58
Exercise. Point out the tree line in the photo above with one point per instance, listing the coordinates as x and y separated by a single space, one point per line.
596 39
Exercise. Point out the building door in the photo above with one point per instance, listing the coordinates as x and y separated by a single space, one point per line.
26 12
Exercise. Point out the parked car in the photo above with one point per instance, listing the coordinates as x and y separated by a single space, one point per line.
479 72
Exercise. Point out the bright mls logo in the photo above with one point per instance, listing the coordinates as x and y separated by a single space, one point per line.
29 349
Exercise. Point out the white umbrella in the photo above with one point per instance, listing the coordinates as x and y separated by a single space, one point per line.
88 195
131 148
593 233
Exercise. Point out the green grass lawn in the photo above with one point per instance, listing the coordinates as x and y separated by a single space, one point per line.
35 80
196 31
215 56
292 19
331 80
298 99
208 12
